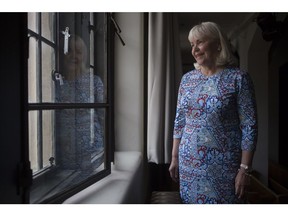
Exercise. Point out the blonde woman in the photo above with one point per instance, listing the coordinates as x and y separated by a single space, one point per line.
215 130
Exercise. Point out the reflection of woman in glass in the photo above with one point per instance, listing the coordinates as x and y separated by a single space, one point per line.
79 131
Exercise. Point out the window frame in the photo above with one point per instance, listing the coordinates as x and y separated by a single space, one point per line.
108 105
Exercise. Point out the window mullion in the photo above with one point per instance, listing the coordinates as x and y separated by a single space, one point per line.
39 97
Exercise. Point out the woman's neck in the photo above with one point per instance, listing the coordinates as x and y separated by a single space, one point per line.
209 71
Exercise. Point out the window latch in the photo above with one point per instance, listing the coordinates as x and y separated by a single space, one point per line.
66 39
57 77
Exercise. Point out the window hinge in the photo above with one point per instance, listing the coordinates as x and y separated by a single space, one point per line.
24 176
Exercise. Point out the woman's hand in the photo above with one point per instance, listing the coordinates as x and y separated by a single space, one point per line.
174 169
241 183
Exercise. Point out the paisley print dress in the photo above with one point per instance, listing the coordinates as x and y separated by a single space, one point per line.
80 131
215 119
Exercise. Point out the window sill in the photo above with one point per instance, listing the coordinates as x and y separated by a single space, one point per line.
123 185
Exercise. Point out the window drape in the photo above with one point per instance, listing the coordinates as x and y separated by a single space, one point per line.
164 75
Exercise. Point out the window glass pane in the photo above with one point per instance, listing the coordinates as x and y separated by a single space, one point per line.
71 153
47 20
41 86
76 85
41 139
32 22
32 71
48 65
80 136
100 50
33 141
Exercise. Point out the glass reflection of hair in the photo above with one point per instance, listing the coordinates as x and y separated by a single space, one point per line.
76 59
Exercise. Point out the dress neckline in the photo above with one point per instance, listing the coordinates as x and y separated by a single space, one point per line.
211 76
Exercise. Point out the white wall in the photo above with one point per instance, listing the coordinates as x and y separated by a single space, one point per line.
129 84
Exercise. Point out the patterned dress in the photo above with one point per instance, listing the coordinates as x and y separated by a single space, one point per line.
80 131
215 119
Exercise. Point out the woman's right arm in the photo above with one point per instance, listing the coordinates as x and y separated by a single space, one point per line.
179 124
174 166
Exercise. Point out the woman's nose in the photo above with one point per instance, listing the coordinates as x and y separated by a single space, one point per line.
194 49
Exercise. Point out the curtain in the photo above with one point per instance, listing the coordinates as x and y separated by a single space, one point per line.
164 75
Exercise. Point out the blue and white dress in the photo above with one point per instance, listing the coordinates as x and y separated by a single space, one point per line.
80 131
215 119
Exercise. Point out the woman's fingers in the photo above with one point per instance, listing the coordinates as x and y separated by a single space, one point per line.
174 173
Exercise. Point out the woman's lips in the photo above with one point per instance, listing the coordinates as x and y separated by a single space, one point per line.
197 56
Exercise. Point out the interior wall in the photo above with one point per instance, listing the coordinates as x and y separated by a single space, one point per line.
277 57
129 83
258 65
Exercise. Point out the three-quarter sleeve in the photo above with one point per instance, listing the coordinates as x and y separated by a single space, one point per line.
179 121
247 110
98 89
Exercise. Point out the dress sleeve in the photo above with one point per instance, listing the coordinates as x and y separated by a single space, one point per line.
247 113
98 89
179 121
99 113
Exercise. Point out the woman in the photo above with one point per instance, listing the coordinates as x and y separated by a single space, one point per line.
80 131
215 129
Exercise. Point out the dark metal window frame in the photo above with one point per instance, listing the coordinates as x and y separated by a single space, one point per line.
108 106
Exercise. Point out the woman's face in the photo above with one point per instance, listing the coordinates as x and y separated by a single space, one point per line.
75 57
204 50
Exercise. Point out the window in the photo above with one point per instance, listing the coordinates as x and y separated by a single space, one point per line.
69 102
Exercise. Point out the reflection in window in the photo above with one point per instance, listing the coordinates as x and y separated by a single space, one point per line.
68 102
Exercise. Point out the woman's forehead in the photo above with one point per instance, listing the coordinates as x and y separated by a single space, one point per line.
197 37
202 35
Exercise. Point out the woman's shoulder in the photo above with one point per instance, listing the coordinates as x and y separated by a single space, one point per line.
192 74
239 76
236 72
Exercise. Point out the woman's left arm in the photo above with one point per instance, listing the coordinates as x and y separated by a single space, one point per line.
249 126
242 178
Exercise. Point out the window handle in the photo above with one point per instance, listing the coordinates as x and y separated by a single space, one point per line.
57 77
66 39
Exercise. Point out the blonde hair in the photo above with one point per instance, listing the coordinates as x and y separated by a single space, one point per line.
75 41
214 32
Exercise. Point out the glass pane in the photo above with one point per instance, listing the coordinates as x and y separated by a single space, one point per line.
41 139
32 22
74 140
40 80
32 71
48 25
100 49
48 65
83 88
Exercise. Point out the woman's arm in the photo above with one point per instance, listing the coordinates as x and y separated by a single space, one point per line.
242 178
174 166
248 123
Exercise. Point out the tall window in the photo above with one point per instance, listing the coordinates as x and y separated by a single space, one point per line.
70 102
